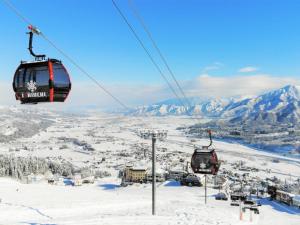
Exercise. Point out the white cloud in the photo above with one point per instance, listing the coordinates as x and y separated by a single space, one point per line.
248 69
88 94
214 66
212 86
205 86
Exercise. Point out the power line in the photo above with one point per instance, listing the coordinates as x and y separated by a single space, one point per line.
27 21
140 19
142 22
146 50
152 60
85 72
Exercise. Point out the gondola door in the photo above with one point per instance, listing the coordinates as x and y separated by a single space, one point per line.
31 83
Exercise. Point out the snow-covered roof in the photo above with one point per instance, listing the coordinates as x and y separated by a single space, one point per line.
138 168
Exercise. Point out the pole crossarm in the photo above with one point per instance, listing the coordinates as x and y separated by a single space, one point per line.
148 134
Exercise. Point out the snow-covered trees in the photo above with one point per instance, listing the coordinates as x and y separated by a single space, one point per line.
19 167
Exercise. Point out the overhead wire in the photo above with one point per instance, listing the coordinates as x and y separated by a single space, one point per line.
71 60
146 50
161 55
151 58
146 29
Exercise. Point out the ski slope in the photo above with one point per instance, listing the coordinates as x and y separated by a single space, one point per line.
107 203
104 202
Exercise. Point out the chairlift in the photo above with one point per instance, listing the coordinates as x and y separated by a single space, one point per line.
205 160
43 80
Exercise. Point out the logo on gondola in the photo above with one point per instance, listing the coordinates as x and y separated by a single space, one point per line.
202 165
31 86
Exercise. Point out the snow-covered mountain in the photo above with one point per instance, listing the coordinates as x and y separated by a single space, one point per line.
281 105
196 106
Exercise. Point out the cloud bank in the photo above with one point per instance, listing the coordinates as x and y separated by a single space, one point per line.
219 87
204 86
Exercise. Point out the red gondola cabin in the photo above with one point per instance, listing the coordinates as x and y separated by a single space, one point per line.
205 161
41 81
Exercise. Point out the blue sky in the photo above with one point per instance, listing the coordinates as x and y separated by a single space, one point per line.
212 37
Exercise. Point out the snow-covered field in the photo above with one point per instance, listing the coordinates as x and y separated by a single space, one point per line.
107 203
104 202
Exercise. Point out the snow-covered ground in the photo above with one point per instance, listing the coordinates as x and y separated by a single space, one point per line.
104 202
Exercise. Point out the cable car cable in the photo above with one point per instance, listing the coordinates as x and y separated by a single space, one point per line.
146 29
142 22
17 12
146 50
85 72
151 58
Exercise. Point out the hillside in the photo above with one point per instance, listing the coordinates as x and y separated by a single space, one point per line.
278 106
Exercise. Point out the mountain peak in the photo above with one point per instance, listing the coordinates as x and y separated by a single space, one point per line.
281 105
289 91
290 87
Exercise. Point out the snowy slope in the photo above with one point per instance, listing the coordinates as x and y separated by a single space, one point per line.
104 202
282 105
16 122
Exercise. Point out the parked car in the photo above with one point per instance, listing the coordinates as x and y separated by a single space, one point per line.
255 209
221 196
190 180
126 183
235 202
249 202
235 196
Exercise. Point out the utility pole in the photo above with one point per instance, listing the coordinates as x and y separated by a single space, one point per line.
205 189
154 135
153 174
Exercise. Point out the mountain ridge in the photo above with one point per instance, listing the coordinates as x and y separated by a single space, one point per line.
280 105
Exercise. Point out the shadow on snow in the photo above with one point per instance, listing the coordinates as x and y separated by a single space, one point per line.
281 207
172 183
109 186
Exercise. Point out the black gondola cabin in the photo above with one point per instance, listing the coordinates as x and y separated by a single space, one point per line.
205 161
41 81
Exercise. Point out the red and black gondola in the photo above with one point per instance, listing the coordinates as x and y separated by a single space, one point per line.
205 160
43 80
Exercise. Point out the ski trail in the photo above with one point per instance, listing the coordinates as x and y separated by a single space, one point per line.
30 208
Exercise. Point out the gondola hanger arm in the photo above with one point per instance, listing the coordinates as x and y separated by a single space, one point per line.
210 139
34 30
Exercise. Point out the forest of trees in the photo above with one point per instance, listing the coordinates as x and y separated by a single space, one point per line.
20 167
